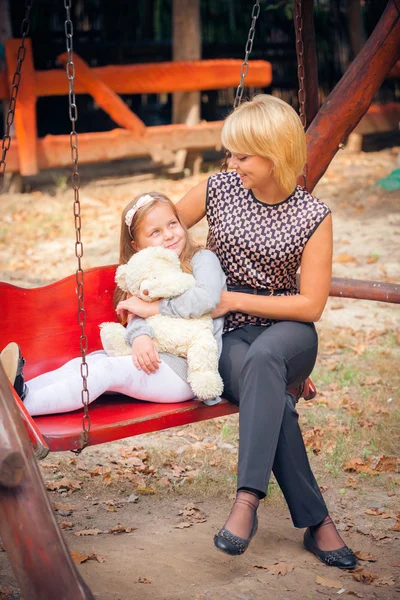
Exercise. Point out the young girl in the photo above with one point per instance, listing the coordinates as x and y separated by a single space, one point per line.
263 227
149 220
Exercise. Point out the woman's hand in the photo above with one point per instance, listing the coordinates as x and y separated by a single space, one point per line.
137 307
145 354
224 305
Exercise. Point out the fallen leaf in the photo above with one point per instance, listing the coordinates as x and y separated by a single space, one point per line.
68 484
66 525
363 576
88 532
66 507
364 556
373 511
345 258
79 558
371 380
145 490
118 528
183 525
330 583
142 580
281 568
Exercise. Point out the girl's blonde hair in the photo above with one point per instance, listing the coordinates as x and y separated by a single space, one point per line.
269 127
129 234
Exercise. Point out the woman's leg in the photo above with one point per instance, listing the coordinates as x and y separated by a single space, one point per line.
256 365
60 390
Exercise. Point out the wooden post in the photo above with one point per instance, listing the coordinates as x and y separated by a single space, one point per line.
310 61
28 528
186 46
5 34
105 97
25 114
351 97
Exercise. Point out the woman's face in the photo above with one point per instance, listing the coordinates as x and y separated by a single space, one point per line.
255 171
160 227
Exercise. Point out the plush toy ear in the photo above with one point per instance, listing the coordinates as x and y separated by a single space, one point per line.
120 277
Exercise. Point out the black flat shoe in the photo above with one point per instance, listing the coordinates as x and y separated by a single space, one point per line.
343 558
13 364
232 544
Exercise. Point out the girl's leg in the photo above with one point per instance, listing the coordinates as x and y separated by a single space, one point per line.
60 390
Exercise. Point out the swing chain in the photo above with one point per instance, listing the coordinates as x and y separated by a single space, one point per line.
16 80
79 275
301 73
244 69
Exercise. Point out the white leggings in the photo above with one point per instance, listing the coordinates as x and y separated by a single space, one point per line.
60 390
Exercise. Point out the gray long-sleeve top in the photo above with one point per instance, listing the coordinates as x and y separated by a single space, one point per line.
199 300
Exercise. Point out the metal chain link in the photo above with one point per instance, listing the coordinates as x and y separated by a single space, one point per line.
244 69
16 80
301 74
79 275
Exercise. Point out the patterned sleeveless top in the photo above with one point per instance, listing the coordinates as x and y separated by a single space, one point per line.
259 245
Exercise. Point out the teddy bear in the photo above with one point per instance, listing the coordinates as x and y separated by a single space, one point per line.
155 273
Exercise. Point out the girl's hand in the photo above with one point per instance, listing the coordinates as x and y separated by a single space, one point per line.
224 305
145 355
137 307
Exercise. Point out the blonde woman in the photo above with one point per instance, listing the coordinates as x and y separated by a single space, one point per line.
263 228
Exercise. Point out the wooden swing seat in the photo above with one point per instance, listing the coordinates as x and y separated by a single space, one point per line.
43 321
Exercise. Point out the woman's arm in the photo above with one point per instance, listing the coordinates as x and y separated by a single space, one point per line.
316 273
192 207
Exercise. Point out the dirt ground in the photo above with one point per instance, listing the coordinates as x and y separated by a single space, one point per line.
140 514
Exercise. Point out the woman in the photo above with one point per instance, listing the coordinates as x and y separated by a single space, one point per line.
263 227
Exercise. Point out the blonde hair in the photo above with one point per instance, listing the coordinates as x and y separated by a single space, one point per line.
269 127
129 234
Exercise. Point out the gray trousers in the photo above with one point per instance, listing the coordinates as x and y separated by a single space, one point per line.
257 363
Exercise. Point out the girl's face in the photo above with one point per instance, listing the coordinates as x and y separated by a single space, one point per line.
255 171
160 227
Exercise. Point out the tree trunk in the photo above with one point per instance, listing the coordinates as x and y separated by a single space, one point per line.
186 46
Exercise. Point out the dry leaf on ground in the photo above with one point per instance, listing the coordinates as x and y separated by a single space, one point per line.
280 568
364 556
330 583
79 558
88 532
118 528
142 580
66 525
66 507
371 380
68 484
183 525
345 258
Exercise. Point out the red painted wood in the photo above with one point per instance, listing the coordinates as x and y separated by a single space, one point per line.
43 321
29 531
117 417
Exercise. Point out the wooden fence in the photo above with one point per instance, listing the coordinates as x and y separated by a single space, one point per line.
28 153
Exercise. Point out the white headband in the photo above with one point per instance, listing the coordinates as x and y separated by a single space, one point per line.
143 200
